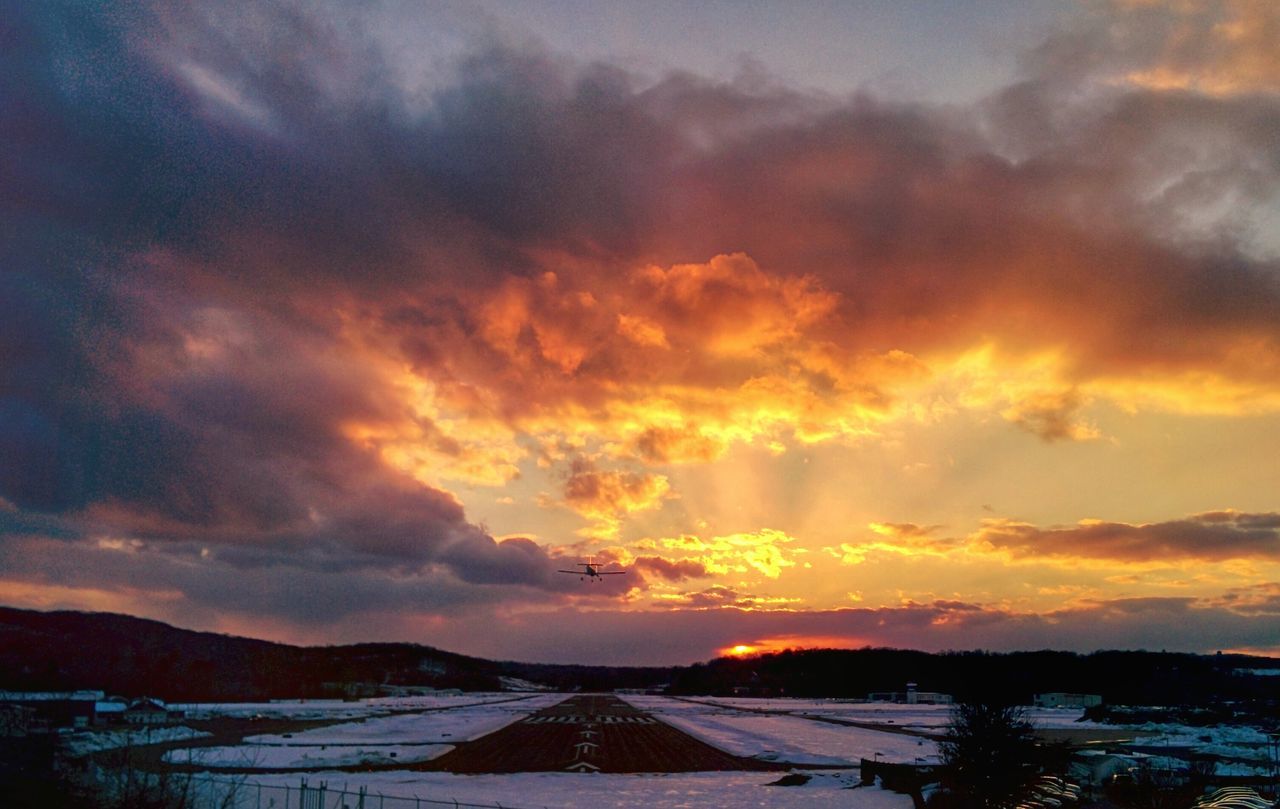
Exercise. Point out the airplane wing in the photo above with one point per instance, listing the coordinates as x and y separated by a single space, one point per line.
575 572
610 572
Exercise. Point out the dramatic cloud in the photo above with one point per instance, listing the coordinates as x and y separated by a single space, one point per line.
295 296
604 496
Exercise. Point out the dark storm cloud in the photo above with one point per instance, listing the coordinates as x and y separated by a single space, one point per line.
158 381
290 593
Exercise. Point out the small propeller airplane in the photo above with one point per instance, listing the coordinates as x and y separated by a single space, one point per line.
591 570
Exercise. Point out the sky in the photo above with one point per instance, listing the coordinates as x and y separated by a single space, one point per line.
942 326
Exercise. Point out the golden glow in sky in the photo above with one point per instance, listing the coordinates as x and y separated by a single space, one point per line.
326 328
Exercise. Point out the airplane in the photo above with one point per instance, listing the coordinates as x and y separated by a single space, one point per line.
591 570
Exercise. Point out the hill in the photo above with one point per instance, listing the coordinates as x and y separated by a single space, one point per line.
124 655
121 654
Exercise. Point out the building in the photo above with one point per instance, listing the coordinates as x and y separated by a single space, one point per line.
1061 699
148 711
111 710
911 697
49 710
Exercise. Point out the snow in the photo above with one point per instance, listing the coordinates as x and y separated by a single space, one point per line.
456 724
574 791
518 684
410 737
304 757
336 708
1247 747
793 739
916 717
1221 735
82 744
1243 751
368 732
1246 770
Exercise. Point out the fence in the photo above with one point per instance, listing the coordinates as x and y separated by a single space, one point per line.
217 793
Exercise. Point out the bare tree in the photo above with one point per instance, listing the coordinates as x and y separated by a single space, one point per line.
989 755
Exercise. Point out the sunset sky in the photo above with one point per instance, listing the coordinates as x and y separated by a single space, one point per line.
945 325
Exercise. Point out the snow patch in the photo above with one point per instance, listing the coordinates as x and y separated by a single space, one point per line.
82 744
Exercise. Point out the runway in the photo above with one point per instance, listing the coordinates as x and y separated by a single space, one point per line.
590 733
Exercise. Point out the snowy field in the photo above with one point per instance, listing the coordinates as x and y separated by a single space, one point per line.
304 758
440 726
371 739
1236 742
1243 750
335 708
576 791
373 732
929 718
82 744
785 738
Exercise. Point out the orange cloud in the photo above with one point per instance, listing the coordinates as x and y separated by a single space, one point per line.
679 445
719 596
766 551
1219 48
902 530
729 306
607 495
1257 599
642 331
673 365
902 539
1212 536
51 596
1052 416
658 567
677 364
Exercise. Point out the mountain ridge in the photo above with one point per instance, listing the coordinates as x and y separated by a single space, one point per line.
132 656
